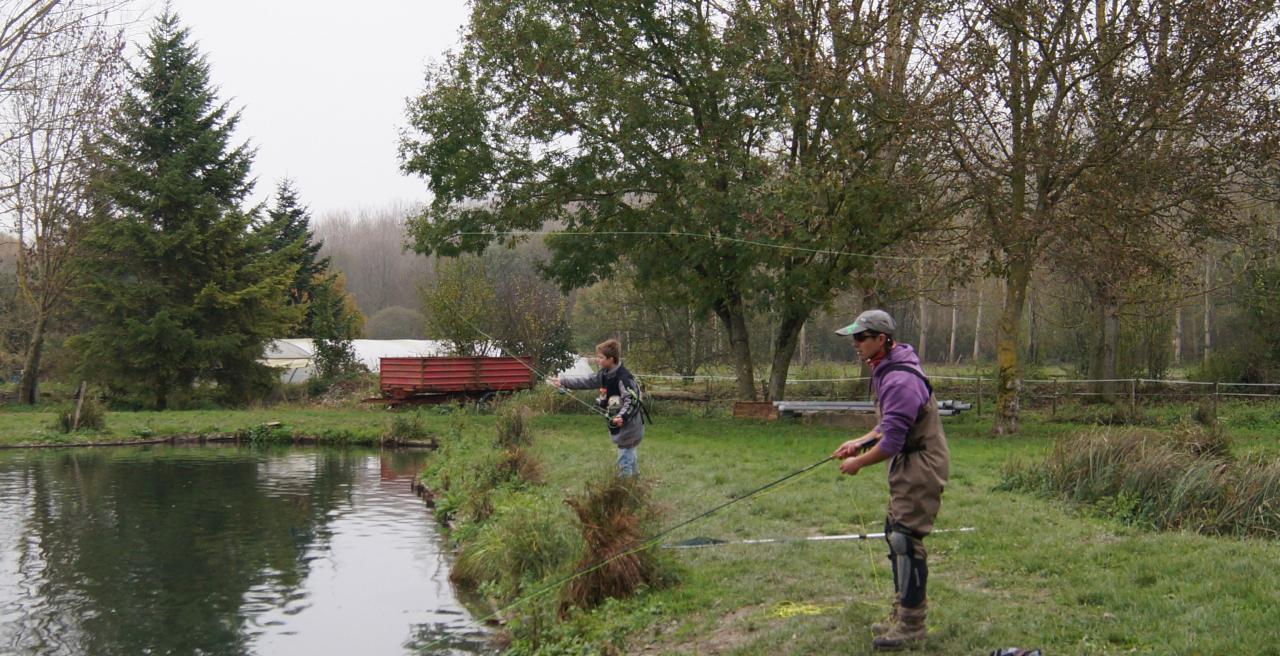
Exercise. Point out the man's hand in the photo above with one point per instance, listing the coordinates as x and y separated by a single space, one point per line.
850 466
554 381
852 447
616 421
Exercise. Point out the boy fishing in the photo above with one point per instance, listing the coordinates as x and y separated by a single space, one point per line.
909 434
620 399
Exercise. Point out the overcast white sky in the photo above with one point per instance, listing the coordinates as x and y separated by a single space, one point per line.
322 87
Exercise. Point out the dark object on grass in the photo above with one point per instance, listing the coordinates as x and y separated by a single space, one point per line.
699 541
1014 651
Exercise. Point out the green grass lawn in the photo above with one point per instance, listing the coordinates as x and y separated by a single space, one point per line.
1034 574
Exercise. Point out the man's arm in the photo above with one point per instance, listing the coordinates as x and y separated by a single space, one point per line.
902 395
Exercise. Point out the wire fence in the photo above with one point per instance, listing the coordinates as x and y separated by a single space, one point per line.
1044 393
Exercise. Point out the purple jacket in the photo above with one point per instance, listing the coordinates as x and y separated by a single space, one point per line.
900 395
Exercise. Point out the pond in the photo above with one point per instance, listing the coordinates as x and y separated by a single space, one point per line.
222 550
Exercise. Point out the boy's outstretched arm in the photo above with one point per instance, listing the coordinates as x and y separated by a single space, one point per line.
588 381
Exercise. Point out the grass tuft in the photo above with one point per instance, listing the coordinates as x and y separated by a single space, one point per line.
614 514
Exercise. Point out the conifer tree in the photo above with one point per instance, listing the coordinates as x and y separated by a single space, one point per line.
180 289
290 227
331 319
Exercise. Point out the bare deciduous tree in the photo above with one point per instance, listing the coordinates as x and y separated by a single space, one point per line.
58 85
1037 75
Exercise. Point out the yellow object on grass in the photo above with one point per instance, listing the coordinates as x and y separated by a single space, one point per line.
786 609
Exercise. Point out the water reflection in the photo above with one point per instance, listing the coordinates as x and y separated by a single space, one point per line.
170 550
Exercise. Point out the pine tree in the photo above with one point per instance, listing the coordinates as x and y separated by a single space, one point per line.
180 288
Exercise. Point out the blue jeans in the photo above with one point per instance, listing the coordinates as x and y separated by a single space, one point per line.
627 461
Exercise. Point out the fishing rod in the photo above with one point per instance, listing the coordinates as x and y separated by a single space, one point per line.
700 542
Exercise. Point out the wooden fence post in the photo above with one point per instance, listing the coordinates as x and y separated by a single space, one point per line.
979 396
1215 401
1133 397
1054 397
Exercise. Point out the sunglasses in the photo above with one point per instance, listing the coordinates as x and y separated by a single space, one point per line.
864 336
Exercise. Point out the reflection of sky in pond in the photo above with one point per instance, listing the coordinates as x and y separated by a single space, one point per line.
221 551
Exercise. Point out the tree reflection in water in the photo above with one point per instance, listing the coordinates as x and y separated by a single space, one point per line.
201 550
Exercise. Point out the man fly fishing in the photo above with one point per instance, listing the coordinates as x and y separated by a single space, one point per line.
909 435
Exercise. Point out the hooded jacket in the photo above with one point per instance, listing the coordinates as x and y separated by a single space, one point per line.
900 396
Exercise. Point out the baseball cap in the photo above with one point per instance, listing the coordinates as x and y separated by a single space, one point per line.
875 320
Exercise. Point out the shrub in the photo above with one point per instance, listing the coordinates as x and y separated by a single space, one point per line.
513 426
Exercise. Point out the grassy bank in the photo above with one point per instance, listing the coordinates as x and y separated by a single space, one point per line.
1035 574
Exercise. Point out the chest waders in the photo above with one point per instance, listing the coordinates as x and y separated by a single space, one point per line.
917 476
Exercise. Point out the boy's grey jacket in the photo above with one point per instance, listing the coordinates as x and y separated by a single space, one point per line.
632 430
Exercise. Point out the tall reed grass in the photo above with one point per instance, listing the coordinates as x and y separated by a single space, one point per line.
1182 479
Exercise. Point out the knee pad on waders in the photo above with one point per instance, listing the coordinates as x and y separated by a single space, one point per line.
910 573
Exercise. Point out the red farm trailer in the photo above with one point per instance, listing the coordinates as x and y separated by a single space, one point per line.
452 378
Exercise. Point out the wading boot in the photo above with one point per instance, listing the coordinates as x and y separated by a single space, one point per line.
908 632
882 627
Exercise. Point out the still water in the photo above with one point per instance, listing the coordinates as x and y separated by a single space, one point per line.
222 550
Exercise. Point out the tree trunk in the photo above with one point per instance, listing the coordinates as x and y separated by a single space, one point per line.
951 344
977 328
733 315
1033 343
1208 326
784 347
28 386
923 311
804 344
1008 340
1177 337
870 300
1103 363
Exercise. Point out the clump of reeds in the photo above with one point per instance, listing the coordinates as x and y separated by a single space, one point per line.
518 464
615 515
92 417
1184 479
1206 413
1202 440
